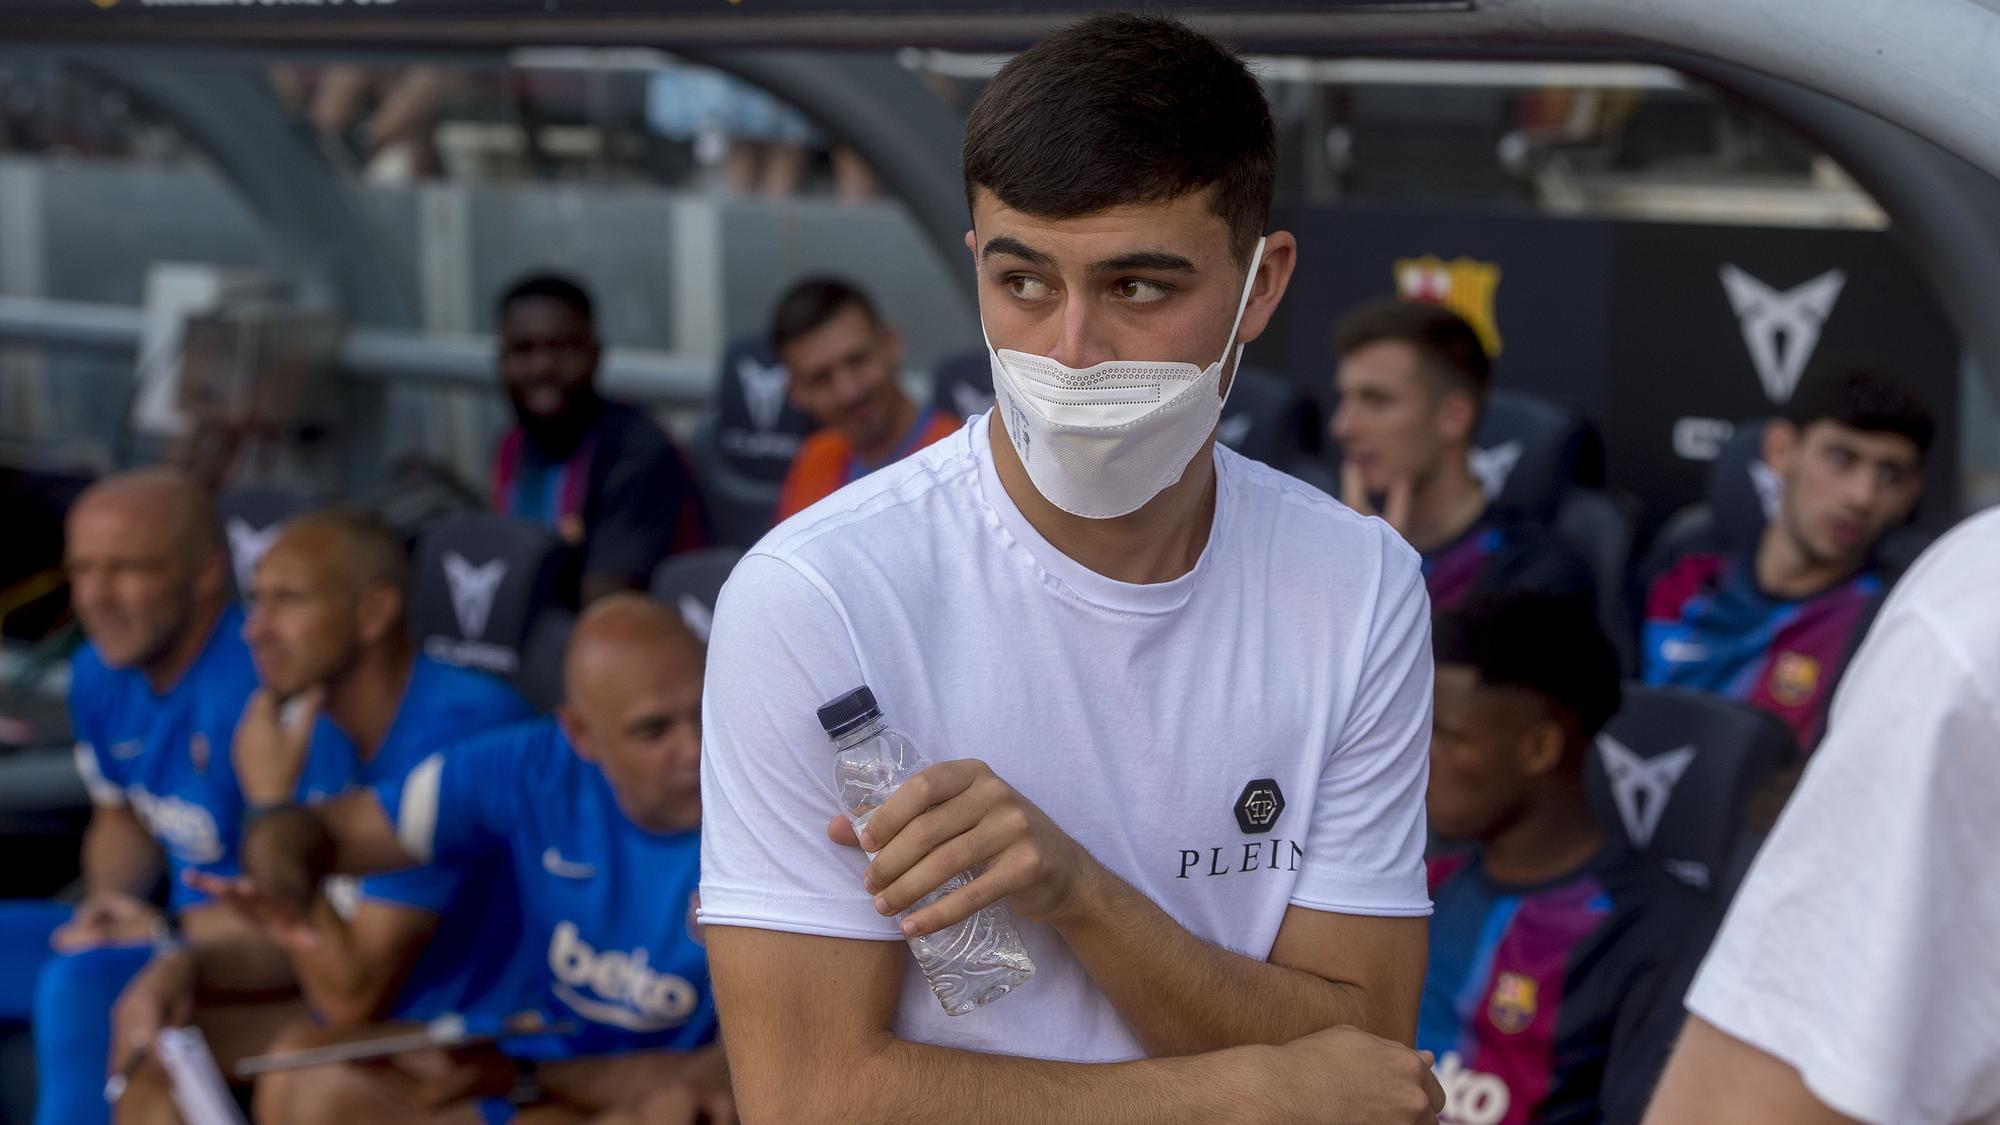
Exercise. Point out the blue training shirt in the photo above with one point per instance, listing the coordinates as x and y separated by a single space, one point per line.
474 963
610 904
166 754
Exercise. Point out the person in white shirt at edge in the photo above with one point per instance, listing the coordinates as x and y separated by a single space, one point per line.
1855 978
1188 696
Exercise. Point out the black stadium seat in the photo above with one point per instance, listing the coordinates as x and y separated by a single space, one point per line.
1600 526
1741 494
690 583
1743 490
540 679
743 449
250 518
962 384
479 585
1674 772
1529 450
1268 418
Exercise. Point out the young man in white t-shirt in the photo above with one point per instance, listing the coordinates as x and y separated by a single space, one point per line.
1181 701
1856 977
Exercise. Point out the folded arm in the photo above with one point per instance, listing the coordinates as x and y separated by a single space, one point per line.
809 1040
1325 970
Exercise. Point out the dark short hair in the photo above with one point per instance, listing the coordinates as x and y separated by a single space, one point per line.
1863 397
811 303
547 285
1547 644
1448 348
376 553
1120 109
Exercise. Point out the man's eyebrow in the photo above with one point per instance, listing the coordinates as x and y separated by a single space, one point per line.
1014 247
1158 261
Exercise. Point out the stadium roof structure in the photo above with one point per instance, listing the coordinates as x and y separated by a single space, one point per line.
1902 94
1925 64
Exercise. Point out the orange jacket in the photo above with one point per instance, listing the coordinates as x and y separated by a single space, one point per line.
826 461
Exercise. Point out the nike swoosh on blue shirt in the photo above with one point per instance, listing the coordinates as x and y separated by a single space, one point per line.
555 864
1681 652
597 1011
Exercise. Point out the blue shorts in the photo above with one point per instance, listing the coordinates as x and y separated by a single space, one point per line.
25 928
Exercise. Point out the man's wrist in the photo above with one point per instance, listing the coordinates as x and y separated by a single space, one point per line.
527 1089
256 808
268 793
1083 908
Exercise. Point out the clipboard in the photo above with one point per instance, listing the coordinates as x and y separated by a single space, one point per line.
445 1031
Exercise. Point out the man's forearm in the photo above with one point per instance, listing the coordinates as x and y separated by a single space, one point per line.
1183 996
603 1082
902 1082
240 967
333 975
119 854
290 849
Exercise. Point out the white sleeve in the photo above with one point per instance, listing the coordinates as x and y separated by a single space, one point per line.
779 649
1365 854
103 793
1860 948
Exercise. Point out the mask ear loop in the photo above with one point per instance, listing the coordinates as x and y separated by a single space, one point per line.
1242 304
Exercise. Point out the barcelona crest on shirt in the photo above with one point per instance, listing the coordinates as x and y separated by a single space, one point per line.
1794 679
1511 1007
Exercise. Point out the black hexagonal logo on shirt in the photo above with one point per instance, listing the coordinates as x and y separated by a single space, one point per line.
1260 805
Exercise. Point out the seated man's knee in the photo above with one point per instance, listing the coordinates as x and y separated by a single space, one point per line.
74 996
77 990
148 1098
285 1095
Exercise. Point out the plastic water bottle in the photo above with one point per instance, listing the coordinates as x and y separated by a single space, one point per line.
970 963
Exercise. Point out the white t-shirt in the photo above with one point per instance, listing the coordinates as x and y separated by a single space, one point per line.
1295 654
1864 947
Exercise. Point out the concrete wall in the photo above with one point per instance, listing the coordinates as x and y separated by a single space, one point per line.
671 271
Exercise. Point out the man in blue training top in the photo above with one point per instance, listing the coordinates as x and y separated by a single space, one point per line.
1558 956
153 698
1774 628
326 629
597 812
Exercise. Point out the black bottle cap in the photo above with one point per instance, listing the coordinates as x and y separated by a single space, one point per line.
848 712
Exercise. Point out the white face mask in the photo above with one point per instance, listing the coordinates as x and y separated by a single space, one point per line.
1102 441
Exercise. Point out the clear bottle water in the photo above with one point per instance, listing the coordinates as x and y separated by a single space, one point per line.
973 962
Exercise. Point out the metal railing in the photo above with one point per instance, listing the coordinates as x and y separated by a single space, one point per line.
406 358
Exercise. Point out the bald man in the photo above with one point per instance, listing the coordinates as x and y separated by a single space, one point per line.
597 811
326 633
153 698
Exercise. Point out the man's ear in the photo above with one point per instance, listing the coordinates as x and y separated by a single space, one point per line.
792 385
1274 277
892 344
575 730
379 612
1541 749
1780 445
1458 416
211 575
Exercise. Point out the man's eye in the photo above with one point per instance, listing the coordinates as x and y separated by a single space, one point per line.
1138 292
1027 288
